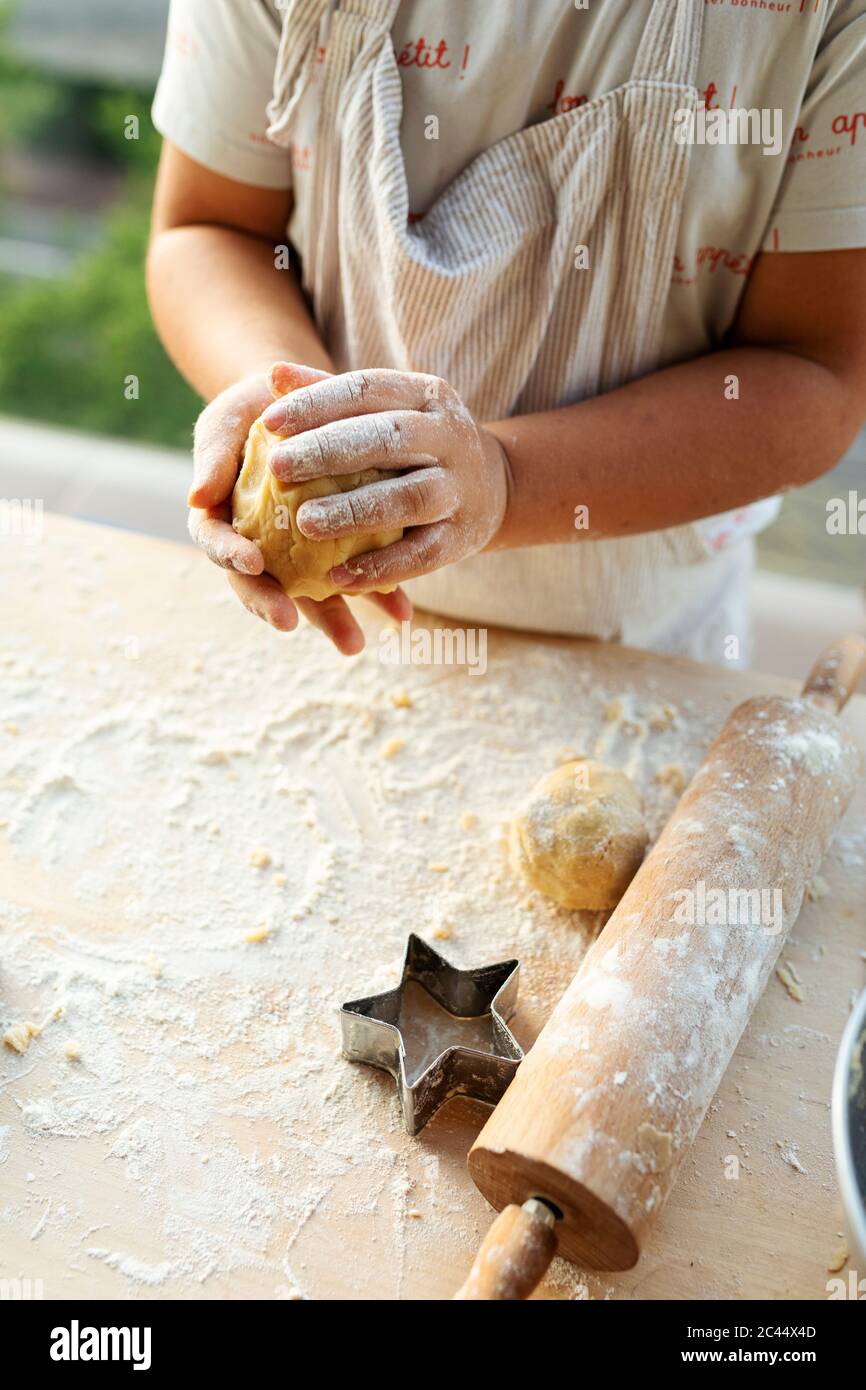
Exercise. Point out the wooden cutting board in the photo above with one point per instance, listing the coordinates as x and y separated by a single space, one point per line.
210 1142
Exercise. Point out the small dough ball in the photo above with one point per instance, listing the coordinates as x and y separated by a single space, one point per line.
265 511
580 836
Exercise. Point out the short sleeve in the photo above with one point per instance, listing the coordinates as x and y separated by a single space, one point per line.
216 82
822 200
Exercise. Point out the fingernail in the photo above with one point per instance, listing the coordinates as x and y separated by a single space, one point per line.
275 416
343 576
292 464
313 517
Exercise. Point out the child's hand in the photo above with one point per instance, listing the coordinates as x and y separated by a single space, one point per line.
218 448
452 498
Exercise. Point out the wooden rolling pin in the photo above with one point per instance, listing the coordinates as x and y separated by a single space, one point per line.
599 1116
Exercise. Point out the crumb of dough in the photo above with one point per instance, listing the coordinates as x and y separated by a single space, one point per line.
662 717
401 699
214 828
672 775
280 880
817 889
71 1051
634 728
11 729
613 710
423 817
18 1037
443 933
437 868
468 820
3 824
154 967
214 757
789 980
414 1214
259 933
392 747
839 1260
656 1145
259 858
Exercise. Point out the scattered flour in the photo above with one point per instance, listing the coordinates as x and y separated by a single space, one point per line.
789 1153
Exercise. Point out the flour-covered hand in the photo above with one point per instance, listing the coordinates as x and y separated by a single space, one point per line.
450 486
218 448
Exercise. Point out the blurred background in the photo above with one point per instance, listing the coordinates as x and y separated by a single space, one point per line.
74 217
74 323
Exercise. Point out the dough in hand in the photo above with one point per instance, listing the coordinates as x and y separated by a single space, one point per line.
265 511
580 835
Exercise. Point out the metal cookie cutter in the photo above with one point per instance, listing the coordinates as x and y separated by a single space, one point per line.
371 1032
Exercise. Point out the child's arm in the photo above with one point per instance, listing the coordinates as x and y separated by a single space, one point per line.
227 315
221 307
671 447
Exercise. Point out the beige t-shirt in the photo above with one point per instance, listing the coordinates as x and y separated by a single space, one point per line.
486 68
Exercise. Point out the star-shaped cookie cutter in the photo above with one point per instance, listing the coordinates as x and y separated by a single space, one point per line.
371 1032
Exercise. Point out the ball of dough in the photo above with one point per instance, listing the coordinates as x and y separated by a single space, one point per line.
265 511
580 835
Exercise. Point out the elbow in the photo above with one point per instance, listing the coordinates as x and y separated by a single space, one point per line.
835 411
151 258
840 426
159 262
153 263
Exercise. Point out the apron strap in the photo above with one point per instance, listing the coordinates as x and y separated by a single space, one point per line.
670 48
302 28
382 12
302 23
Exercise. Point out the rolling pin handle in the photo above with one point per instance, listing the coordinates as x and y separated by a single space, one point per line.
836 674
515 1254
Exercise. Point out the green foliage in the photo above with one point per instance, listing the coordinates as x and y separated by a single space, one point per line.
27 99
110 119
67 347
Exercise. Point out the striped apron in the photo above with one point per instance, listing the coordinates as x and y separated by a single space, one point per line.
485 292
